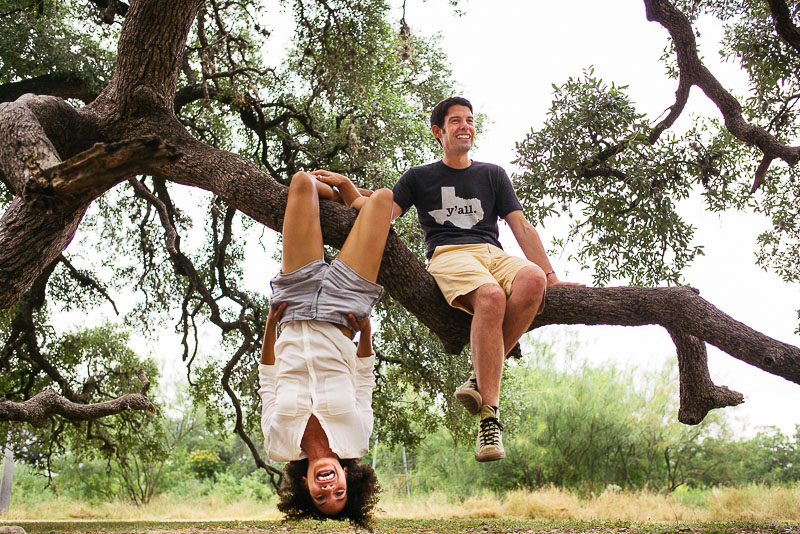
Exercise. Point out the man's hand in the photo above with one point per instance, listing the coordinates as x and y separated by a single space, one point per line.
552 280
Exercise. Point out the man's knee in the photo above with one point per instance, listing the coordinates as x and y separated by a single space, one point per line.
490 299
529 283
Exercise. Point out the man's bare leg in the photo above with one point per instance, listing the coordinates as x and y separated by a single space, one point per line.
488 304
527 292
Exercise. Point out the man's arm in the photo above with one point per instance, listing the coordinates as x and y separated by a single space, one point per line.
531 245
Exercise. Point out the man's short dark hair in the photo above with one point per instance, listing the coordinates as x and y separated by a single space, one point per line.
362 493
440 111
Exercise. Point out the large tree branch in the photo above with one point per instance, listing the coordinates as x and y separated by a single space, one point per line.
43 406
51 196
784 24
696 73
691 321
698 393
62 85
150 51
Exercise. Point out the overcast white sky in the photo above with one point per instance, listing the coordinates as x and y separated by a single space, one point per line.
505 56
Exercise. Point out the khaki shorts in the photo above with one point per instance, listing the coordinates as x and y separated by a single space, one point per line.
459 269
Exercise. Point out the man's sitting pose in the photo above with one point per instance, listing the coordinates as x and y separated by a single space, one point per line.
315 384
459 202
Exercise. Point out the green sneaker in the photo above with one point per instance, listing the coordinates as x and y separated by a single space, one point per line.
489 446
469 397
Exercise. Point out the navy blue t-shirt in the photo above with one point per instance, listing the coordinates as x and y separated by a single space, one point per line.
457 206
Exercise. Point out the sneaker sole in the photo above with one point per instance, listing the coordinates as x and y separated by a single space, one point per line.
470 399
490 456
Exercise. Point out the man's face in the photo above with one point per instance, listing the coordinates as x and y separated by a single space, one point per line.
327 485
458 132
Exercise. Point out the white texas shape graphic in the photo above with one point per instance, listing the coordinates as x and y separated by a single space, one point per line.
461 212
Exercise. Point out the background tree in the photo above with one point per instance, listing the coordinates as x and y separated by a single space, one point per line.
619 174
192 102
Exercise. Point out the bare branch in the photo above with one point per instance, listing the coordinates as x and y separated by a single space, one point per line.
87 281
783 23
43 406
696 73
62 85
86 176
698 393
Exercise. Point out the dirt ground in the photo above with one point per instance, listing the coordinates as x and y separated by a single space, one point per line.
407 527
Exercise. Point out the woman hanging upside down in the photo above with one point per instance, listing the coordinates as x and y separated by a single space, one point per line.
315 384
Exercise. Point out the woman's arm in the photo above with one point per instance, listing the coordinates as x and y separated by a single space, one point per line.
271 334
364 349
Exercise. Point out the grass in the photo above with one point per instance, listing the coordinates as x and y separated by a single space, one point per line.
402 526
748 509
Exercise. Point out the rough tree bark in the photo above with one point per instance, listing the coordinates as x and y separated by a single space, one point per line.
56 176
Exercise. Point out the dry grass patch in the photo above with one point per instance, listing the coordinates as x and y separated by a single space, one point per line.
751 503
754 503
163 508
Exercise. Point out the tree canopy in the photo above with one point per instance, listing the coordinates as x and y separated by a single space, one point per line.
111 109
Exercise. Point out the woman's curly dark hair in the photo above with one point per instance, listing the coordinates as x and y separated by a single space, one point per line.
362 493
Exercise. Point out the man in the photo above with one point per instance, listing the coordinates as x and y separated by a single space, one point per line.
459 202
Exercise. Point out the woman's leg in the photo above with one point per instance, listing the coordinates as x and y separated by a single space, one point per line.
302 236
363 249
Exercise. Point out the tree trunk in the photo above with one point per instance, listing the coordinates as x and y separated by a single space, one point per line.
6 481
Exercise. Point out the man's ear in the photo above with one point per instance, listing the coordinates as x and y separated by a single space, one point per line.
305 482
437 132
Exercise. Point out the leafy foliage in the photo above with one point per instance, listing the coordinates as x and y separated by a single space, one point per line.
593 161
624 208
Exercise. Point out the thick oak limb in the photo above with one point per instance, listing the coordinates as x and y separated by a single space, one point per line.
698 393
677 309
43 406
63 85
25 148
69 130
150 51
89 174
783 23
36 228
696 73
242 185
29 242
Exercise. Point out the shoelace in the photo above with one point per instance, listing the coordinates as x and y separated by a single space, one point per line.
490 431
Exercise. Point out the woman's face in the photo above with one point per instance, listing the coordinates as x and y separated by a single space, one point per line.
327 485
